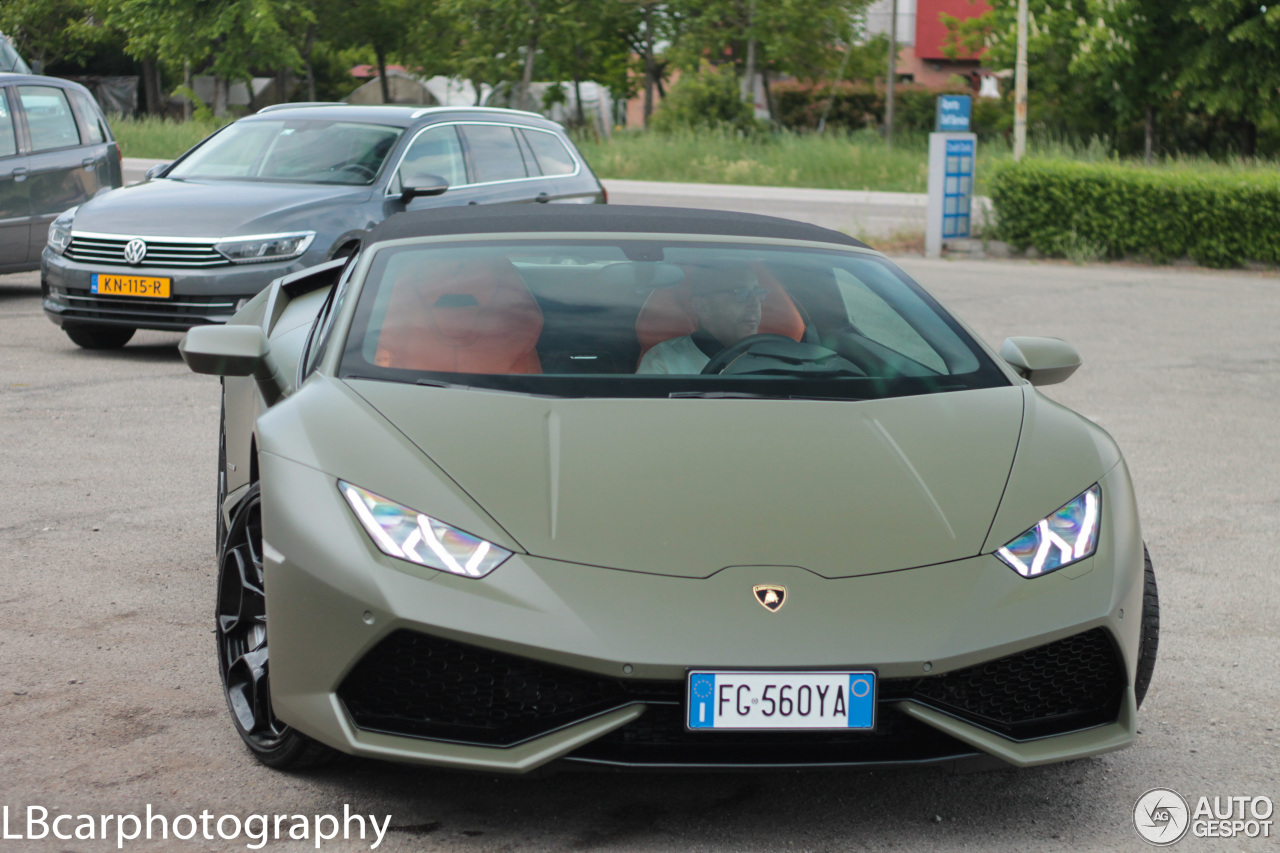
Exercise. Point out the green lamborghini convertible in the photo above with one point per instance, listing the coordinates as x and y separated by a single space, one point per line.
648 487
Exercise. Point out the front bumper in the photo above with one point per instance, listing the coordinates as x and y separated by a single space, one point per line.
199 296
588 664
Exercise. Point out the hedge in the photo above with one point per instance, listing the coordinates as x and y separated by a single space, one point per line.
1218 217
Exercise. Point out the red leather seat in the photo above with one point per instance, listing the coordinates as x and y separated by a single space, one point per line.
668 313
473 315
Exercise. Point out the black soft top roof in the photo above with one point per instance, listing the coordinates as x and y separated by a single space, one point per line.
497 219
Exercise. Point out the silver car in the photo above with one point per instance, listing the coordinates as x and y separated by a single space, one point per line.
281 191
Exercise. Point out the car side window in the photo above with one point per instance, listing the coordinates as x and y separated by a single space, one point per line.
874 319
435 151
49 117
8 142
552 157
91 117
495 153
319 339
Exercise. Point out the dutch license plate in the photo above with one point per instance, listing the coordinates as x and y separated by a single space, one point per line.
782 700
130 285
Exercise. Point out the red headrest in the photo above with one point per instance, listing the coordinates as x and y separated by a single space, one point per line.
473 315
668 313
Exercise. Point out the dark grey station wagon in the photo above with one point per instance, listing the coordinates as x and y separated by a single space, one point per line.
56 151
280 191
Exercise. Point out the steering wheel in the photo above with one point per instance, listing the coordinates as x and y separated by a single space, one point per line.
729 353
359 168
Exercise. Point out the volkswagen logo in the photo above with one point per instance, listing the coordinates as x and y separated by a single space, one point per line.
134 251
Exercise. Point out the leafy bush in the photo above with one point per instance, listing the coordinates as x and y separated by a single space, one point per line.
854 106
1220 217
709 99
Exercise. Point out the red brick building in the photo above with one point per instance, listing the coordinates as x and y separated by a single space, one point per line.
922 37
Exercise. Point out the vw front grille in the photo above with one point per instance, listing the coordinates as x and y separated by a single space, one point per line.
160 253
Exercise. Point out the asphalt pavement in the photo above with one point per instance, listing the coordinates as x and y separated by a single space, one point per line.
108 684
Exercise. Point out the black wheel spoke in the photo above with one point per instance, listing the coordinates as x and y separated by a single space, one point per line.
242 631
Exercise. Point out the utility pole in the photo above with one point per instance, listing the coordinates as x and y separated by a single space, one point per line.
893 74
1020 86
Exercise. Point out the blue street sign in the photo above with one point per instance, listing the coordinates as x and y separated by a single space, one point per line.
953 113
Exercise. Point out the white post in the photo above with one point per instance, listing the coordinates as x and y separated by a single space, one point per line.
893 74
1020 86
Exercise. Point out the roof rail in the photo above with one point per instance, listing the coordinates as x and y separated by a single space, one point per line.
268 109
462 108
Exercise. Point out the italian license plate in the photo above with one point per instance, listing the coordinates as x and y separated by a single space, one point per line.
782 700
130 285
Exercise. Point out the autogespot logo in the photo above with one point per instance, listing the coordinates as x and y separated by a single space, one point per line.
1161 816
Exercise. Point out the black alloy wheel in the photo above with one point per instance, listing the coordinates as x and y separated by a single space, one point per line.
243 660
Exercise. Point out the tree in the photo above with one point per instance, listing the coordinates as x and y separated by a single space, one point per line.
1134 49
382 25
226 38
1233 67
50 30
805 38
1060 101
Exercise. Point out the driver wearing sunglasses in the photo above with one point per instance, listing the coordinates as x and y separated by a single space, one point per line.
726 301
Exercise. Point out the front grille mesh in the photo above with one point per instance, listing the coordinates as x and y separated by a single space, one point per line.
1068 684
421 686
426 686
160 253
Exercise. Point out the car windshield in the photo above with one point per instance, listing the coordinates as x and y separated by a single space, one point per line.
313 152
617 318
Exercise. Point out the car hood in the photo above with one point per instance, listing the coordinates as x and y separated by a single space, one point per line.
210 208
689 487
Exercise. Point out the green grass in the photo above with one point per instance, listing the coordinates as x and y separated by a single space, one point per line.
857 161
836 160
159 139
832 161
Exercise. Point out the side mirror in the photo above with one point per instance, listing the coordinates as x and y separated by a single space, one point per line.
238 350
421 185
157 170
1042 361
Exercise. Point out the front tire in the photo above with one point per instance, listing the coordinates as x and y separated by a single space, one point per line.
220 525
99 337
1149 642
243 660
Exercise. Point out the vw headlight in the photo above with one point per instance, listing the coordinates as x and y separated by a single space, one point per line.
265 247
1066 536
409 535
60 231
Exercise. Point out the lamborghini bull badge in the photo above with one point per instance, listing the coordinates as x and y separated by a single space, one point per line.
770 595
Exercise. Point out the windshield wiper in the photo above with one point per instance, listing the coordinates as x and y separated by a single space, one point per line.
439 383
723 395
743 395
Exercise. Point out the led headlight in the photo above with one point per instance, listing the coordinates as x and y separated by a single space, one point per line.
60 231
265 247
409 535
1068 535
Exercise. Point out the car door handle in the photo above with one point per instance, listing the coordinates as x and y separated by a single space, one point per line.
542 198
88 163
20 174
